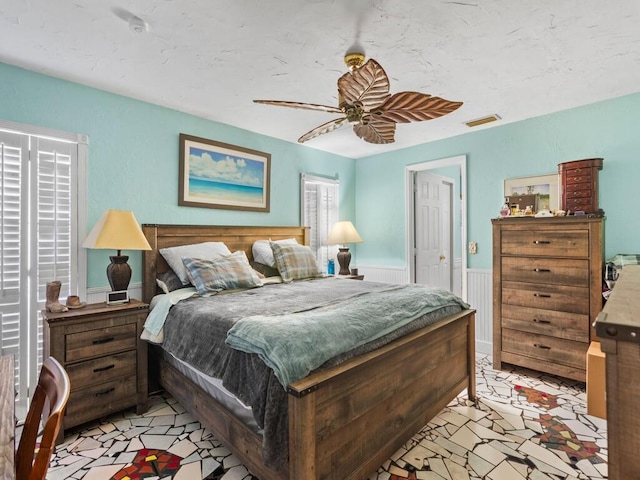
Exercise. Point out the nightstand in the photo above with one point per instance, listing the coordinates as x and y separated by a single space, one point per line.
99 346
351 277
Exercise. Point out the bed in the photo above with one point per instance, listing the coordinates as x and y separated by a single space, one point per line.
343 421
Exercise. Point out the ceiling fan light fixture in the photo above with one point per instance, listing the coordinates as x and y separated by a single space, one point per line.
481 121
354 60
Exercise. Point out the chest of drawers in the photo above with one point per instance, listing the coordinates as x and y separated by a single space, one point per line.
100 348
546 292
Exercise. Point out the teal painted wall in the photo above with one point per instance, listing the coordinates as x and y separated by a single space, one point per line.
133 164
133 157
609 129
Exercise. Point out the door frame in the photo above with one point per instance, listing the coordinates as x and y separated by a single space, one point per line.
461 162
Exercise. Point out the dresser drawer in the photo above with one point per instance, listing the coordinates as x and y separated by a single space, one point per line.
569 243
579 175
545 348
102 341
99 400
572 272
104 369
585 193
570 326
546 297
575 204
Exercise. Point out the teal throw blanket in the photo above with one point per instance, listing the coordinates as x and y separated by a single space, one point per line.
297 343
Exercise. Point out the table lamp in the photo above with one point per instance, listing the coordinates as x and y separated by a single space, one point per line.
117 230
341 233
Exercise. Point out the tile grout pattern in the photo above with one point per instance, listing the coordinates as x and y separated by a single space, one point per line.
526 425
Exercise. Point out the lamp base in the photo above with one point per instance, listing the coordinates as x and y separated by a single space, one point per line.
119 272
344 258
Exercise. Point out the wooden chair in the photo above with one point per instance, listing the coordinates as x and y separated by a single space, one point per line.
47 405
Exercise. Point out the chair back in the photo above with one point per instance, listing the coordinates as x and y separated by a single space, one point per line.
47 406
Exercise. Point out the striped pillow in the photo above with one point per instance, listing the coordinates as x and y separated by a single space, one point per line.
225 273
295 262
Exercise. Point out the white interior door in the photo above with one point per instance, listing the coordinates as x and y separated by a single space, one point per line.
432 201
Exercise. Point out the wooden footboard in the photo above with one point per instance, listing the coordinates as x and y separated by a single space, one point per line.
344 422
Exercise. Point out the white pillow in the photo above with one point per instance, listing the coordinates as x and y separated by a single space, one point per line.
206 250
262 252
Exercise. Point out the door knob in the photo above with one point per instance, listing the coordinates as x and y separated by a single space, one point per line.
442 257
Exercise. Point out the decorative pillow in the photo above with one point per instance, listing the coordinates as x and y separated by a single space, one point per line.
295 262
206 250
169 281
265 270
225 273
263 254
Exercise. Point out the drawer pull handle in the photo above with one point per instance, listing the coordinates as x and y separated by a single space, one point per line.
542 270
541 242
105 392
539 345
103 369
542 295
537 320
103 340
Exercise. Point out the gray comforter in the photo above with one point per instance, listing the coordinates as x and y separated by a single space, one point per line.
196 330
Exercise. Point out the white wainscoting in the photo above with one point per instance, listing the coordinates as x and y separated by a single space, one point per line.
384 274
479 296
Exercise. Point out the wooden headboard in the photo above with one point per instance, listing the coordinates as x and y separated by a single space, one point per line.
236 238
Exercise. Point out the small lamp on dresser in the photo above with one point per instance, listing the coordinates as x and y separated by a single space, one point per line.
117 230
341 233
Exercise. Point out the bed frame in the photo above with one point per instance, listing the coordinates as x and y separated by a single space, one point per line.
346 421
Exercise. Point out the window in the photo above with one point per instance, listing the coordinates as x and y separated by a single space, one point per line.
320 210
39 220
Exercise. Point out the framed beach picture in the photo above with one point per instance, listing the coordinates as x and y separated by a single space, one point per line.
220 175
545 186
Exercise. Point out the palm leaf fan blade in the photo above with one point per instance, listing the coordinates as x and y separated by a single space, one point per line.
324 128
304 106
405 107
368 85
376 131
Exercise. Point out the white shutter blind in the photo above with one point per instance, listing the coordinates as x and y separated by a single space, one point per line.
14 154
38 216
320 210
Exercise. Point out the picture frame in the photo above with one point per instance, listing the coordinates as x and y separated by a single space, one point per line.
224 176
545 186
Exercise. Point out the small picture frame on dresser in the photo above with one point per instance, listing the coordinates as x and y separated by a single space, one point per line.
545 186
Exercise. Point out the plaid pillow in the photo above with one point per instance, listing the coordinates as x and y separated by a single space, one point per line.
295 262
226 273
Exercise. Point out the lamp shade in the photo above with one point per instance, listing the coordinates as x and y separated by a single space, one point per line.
117 230
343 232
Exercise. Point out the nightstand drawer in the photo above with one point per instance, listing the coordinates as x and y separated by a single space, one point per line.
95 343
547 349
571 326
569 243
546 271
99 400
104 369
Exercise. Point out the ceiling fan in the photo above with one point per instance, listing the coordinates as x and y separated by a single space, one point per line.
364 102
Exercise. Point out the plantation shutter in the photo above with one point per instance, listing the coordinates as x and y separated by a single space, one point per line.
320 210
39 220
14 156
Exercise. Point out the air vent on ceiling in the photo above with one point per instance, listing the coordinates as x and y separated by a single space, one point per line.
483 120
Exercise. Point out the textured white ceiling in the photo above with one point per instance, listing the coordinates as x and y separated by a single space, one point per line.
516 58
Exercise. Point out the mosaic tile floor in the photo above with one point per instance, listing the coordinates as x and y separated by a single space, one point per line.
527 425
